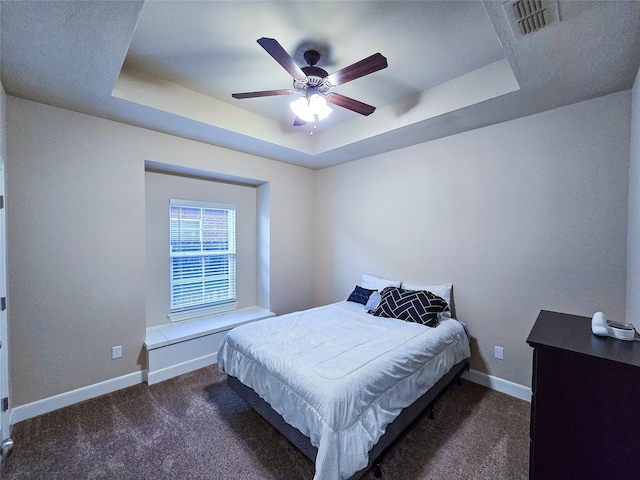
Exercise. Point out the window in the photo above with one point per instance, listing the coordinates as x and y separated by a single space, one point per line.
202 255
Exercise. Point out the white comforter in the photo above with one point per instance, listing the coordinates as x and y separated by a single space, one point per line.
340 375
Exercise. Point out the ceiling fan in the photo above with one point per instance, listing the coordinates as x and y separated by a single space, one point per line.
315 83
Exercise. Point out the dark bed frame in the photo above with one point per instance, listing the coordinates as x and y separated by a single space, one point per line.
392 432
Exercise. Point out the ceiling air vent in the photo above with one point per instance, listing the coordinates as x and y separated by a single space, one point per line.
529 16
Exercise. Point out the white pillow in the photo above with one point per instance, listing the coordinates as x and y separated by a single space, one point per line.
443 291
373 302
375 283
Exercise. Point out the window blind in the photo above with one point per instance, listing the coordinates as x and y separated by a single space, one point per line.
202 254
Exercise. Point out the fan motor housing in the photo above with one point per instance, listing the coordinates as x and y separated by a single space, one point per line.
315 72
315 78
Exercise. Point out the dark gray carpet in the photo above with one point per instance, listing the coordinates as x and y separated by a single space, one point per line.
195 427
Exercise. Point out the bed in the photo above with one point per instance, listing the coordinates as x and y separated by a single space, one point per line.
340 383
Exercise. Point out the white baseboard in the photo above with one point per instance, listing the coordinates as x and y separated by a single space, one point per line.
46 405
498 384
181 368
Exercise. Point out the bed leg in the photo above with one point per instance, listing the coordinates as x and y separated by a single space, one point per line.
378 471
432 413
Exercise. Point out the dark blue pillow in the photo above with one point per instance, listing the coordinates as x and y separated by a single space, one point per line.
419 306
360 295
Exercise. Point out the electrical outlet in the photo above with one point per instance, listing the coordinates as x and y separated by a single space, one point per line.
116 352
499 353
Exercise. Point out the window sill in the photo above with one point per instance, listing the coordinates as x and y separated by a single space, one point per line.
164 335
202 312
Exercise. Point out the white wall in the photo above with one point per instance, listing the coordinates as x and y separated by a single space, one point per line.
76 227
521 216
633 242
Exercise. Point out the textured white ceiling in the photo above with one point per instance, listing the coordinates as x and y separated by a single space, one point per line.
453 66
210 47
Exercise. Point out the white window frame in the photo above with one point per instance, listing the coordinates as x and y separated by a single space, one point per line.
184 312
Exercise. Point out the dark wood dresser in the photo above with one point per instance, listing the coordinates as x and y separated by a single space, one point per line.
585 409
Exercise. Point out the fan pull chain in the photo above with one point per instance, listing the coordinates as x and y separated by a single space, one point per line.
312 130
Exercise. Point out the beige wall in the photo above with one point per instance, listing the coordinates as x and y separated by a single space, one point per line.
159 189
76 228
633 250
3 124
521 216
526 215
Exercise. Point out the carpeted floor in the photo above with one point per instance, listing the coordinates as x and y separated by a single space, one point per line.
195 427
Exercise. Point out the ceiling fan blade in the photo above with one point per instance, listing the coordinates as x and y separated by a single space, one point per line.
298 122
265 93
359 69
350 104
280 55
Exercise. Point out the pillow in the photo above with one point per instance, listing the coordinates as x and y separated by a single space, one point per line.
419 306
373 302
360 295
375 283
443 291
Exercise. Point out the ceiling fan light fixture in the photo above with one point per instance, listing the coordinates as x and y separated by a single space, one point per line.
308 109
318 105
314 82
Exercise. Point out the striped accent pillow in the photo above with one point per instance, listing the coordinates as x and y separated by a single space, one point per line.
419 306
